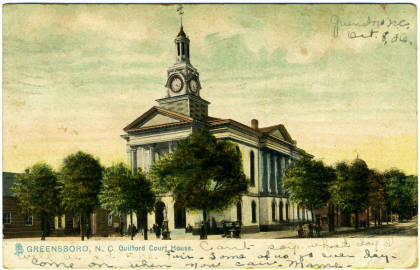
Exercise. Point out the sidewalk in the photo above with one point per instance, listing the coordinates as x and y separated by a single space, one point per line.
408 228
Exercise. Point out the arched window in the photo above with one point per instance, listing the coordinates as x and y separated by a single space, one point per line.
254 211
287 211
273 210
281 211
252 168
177 45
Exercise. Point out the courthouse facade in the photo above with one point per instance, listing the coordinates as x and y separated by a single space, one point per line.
266 153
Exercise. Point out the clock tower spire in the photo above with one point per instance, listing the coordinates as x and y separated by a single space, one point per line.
183 83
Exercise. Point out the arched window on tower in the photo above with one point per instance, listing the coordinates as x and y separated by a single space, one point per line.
177 45
183 49
188 51
273 210
252 167
254 211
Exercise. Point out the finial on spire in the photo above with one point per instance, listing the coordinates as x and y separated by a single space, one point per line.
180 12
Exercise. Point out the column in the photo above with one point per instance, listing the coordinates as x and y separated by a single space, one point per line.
269 176
276 174
282 171
151 156
129 155
262 176
171 147
133 158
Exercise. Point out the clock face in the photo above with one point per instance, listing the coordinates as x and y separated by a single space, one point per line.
176 84
193 86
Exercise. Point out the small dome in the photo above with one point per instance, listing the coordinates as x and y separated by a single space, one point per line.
359 162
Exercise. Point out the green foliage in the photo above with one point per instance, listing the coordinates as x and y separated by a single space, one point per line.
81 176
401 191
139 194
203 173
412 181
377 195
125 191
37 191
350 190
307 181
114 185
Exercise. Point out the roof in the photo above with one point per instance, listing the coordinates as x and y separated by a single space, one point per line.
183 119
8 181
276 132
181 33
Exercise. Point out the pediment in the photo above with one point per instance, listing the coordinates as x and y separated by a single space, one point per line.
281 133
156 117
277 134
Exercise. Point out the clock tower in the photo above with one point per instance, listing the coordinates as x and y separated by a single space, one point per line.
183 83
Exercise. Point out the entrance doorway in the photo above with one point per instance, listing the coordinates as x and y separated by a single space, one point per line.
159 213
180 219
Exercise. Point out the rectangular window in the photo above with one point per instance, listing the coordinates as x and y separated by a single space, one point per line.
109 220
29 220
7 218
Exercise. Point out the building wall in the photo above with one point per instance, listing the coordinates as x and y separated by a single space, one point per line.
246 163
270 163
17 228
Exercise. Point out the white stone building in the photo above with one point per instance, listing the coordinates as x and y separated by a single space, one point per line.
266 152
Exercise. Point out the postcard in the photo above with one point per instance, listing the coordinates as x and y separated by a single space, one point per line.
200 136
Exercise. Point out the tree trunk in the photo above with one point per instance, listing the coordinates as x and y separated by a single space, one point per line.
357 219
131 225
42 227
368 217
330 223
204 224
82 226
88 226
379 217
145 225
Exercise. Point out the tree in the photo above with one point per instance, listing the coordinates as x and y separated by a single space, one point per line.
412 181
37 193
81 176
308 181
203 173
125 192
377 195
349 191
140 197
399 192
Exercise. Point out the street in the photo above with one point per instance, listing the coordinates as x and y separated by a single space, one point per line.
408 228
